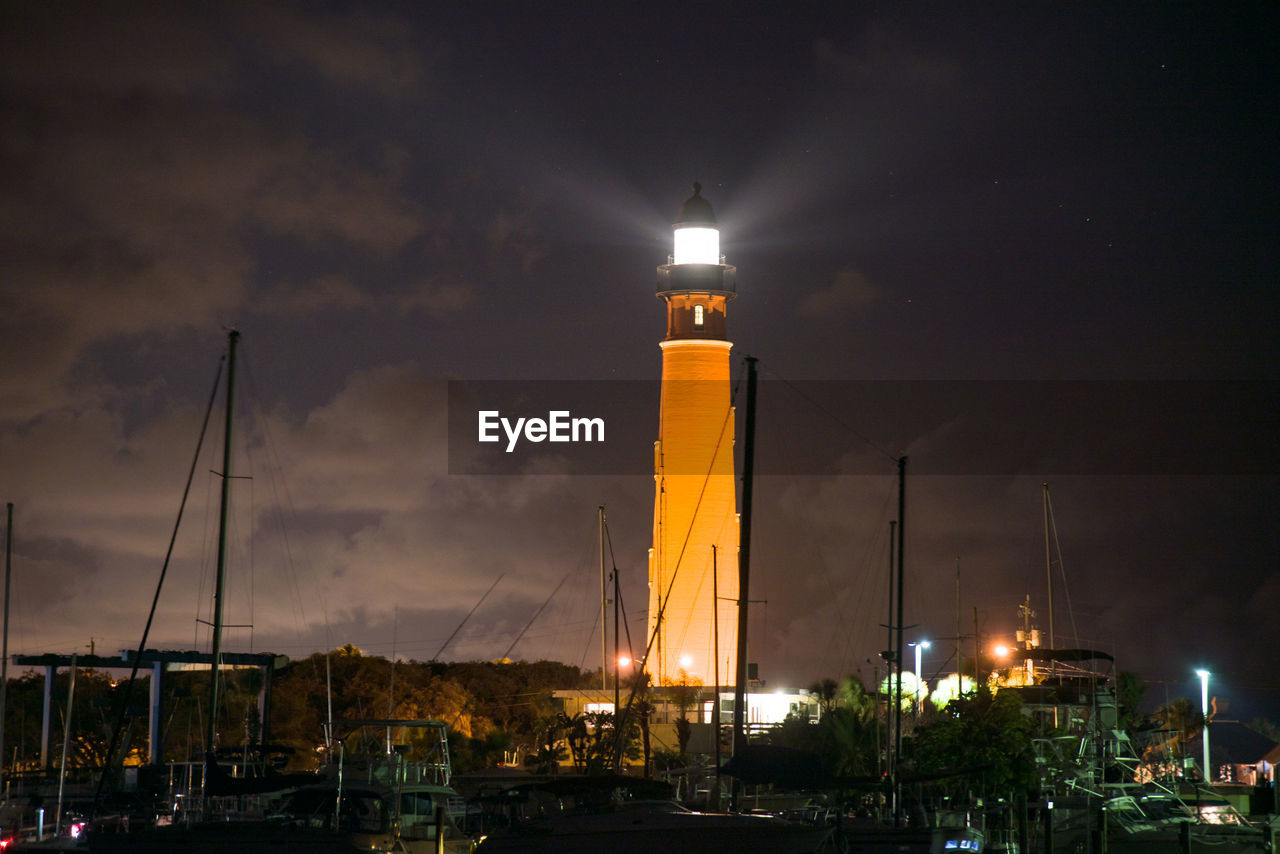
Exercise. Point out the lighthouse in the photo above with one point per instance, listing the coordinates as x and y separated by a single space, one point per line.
693 564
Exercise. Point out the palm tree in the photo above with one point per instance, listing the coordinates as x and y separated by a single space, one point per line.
826 690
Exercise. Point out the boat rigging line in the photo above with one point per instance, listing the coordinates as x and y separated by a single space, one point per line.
619 617
474 608
836 418
532 619
126 696
1051 526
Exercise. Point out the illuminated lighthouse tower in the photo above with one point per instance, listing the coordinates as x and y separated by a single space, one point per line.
694 506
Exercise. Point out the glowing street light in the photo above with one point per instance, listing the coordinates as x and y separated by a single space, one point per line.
1204 710
919 645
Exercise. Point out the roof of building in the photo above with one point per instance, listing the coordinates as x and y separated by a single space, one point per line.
1234 743
696 210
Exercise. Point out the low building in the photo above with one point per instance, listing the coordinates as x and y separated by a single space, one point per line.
697 704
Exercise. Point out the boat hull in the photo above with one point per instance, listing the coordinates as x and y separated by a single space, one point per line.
671 833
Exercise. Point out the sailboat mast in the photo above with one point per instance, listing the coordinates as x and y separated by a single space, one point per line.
897 690
715 655
959 668
617 623
893 568
233 337
744 563
66 739
4 656
1048 563
604 623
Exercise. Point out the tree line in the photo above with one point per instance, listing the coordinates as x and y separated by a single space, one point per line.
504 713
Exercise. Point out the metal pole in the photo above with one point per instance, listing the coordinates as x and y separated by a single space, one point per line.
978 679
715 654
897 698
4 656
1204 711
959 666
617 605
604 600
66 737
889 711
50 673
744 562
1048 565
918 652
892 570
744 575
154 746
220 584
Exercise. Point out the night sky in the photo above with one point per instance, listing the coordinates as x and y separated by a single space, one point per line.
1018 243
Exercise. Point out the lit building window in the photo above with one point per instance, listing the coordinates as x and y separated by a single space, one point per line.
698 316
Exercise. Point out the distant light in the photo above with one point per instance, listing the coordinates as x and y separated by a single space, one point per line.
1203 674
697 246
686 661
624 661
1001 650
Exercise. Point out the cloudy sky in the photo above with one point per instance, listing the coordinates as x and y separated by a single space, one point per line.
1018 243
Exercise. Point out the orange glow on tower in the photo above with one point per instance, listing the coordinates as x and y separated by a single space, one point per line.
695 504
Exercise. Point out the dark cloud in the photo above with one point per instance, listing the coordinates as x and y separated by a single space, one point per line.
384 200
850 291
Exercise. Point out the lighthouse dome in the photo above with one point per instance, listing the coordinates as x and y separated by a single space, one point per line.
696 211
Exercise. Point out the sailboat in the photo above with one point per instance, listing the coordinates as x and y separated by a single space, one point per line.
1106 792
395 805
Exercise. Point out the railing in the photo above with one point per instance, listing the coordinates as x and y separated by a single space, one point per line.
698 278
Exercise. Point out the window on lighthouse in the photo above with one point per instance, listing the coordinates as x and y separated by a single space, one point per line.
697 246
698 316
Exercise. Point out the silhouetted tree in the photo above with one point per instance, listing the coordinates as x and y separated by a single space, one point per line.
1129 691
826 690
986 738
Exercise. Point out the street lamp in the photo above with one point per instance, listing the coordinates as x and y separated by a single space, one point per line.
919 645
1204 710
